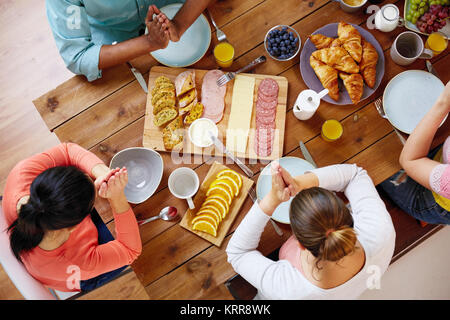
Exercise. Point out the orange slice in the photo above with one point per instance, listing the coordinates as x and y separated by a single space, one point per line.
220 189
218 202
205 226
224 184
211 210
233 174
206 217
232 183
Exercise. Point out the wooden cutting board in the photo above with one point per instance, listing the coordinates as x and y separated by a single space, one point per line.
200 197
153 135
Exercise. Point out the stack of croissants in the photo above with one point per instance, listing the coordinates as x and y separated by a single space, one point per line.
348 56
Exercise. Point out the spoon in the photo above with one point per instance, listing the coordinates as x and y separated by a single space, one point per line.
167 213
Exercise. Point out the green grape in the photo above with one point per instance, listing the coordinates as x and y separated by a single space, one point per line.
416 15
415 1
421 11
414 20
422 4
414 7
408 17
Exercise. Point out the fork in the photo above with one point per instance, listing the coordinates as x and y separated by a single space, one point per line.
231 75
379 106
219 33
252 194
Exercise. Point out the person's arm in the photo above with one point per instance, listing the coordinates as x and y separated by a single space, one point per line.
127 245
71 30
272 279
156 38
184 18
413 157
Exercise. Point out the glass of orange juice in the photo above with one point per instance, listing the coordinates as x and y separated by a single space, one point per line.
436 42
224 54
331 130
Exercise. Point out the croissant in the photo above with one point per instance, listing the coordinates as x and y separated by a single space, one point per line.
336 43
354 84
321 41
368 63
351 40
327 75
337 58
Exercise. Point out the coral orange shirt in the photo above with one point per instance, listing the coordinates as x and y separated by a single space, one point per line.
80 257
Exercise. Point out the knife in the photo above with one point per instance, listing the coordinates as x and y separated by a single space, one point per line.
306 154
224 150
431 68
138 76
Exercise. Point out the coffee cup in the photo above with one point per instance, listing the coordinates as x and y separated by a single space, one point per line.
408 47
307 103
183 184
351 5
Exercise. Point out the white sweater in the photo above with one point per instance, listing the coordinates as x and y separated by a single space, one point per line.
280 280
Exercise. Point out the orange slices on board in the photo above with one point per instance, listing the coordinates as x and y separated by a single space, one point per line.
219 197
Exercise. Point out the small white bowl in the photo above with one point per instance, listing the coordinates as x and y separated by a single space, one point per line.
145 169
213 128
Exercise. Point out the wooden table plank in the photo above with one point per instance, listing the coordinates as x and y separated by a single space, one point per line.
125 287
106 117
195 278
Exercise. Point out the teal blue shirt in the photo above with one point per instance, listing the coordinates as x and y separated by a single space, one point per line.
81 27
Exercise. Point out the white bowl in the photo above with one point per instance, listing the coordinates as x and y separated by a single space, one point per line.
214 130
145 169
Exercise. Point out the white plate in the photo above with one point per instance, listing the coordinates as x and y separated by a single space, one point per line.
409 96
295 166
192 45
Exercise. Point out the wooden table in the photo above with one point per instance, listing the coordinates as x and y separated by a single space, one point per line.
107 116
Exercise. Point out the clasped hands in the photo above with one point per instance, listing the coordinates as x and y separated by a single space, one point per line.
112 184
160 28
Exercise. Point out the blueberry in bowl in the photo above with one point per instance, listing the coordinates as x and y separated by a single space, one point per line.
282 43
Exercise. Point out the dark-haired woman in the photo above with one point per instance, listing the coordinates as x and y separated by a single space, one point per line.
333 253
48 202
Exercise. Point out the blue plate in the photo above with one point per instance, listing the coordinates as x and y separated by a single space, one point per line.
192 46
295 166
409 96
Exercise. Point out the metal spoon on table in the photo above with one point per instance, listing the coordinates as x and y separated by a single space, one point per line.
167 214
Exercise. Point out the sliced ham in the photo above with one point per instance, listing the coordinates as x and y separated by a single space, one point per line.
213 96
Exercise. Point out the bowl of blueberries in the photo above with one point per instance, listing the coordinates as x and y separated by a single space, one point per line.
282 43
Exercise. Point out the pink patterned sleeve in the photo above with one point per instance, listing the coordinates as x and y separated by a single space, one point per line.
440 180
440 175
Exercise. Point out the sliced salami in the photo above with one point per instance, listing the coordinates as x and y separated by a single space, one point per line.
266 109
260 104
261 119
263 97
268 87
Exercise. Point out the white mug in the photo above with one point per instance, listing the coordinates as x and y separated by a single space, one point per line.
408 47
183 184
388 18
307 103
349 8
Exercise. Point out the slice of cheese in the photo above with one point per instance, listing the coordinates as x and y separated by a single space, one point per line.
240 114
